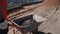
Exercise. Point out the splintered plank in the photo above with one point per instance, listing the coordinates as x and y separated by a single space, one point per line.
52 25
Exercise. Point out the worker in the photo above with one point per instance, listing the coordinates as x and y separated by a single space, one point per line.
3 25
3 17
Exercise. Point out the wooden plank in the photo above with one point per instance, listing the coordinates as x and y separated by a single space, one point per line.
45 12
52 25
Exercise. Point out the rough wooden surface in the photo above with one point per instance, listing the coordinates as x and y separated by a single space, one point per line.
53 24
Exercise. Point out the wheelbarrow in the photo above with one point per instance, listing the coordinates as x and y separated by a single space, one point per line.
28 24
